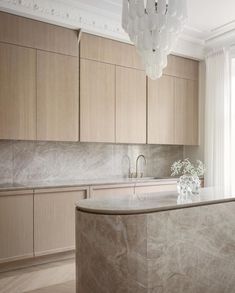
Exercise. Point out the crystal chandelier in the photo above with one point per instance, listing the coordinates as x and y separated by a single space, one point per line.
154 26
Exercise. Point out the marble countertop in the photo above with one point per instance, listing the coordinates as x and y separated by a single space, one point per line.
153 202
78 183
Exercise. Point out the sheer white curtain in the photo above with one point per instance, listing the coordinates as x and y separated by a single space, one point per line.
218 124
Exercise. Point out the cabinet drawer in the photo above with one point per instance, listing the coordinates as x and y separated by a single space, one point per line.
155 188
112 191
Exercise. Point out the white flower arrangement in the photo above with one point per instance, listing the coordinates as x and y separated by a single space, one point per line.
185 167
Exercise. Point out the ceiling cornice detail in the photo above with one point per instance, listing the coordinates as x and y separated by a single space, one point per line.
91 20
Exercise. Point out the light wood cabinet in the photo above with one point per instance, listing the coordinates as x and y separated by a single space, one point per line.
146 188
16 225
36 34
17 92
57 97
123 191
173 111
130 105
161 110
109 51
117 191
186 112
54 219
182 67
97 101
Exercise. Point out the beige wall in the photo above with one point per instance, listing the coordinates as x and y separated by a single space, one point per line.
197 152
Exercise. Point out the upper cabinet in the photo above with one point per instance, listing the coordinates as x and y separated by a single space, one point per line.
38 80
36 34
164 111
112 92
182 68
161 110
109 51
40 83
173 104
130 105
97 101
17 92
57 97
186 112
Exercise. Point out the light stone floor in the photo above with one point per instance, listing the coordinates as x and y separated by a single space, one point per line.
68 287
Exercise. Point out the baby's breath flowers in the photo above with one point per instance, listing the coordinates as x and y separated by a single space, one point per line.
185 167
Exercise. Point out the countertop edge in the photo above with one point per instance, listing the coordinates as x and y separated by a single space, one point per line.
153 210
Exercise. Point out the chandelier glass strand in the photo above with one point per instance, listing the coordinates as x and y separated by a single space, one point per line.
154 26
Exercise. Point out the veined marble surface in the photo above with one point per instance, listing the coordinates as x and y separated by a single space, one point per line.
32 161
84 182
154 202
178 251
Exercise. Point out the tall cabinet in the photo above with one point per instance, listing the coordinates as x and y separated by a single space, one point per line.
38 80
112 92
173 104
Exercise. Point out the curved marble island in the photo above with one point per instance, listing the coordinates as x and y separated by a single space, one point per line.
156 243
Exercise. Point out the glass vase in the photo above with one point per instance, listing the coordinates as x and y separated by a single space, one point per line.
188 185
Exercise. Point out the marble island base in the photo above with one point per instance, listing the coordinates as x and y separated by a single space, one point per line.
189 250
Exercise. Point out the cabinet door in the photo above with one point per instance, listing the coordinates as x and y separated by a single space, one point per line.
153 188
109 51
17 92
161 111
16 226
130 105
57 97
37 34
182 67
186 112
112 191
54 220
97 102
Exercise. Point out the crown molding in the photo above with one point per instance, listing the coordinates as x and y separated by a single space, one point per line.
91 20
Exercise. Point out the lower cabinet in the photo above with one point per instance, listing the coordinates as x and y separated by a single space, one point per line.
112 191
54 219
123 190
146 188
16 225
42 221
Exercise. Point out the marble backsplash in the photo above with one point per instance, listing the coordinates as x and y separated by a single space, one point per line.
22 161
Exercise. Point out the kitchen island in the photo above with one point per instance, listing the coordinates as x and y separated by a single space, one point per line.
157 243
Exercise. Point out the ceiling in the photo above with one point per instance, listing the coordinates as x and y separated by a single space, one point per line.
207 21
206 18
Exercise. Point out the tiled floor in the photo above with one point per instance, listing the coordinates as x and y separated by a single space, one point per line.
68 287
